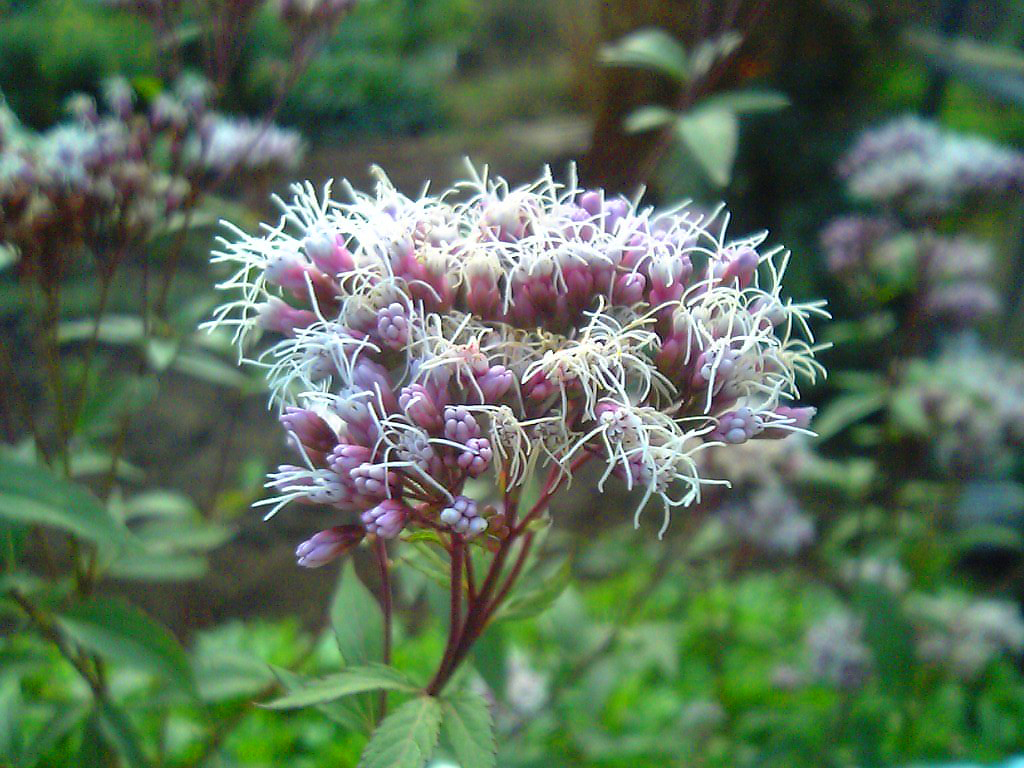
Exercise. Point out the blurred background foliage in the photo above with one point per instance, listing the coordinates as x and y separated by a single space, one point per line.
700 650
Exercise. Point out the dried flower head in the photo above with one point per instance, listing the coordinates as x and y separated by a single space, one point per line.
500 330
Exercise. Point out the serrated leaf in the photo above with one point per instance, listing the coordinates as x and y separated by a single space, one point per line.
349 681
749 101
116 630
407 737
357 619
647 119
469 729
712 138
32 494
355 713
650 48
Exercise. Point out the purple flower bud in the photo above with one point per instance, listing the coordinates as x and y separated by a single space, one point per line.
628 289
495 383
462 517
374 377
739 265
795 418
387 519
477 457
393 326
278 316
310 429
737 427
419 403
372 480
328 253
459 424
326 546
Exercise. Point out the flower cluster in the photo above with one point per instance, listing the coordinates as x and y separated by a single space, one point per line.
423 342
911 163
106 177
966 634
837 651
225 144
873 256
771 519
969 405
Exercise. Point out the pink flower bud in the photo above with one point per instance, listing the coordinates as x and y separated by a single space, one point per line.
310 429
326 546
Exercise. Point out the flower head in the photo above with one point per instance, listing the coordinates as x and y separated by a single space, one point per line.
490 329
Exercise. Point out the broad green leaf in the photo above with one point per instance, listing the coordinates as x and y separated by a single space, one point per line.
119 732
712 137
847 410
159 504
113 329
357 619
747 102
374 677
158 566
64 718
469 729
207 367
32 494
119 631
650 48
648 118
179 534
533 600
223 675
709 52
407 737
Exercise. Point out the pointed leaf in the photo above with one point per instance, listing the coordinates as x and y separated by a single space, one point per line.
119 631
122 736
32 494
375 677
747 102
712 137
846 410
469 728
648 118
357 619
650 48
407 737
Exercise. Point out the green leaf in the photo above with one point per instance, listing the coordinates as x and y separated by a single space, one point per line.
113 329
206 367
357 619
374 677
747 101
846 410
153 566
64 718
117 630
648 118
709 52
650 48
533 600
889 634
712 137
121 735
222 675
407 737
354 713
32 494
469 729
159 504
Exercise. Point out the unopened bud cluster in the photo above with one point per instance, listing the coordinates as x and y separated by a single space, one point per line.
424 342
